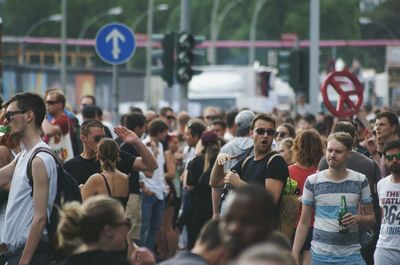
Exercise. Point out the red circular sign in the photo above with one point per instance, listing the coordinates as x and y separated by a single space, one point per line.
345 105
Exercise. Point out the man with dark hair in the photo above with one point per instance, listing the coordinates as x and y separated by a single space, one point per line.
360 163
249 219
230 125
28 207
84 165
387 249
135 122
86 100
193 131
208 249
386 127
265 168
92 112
218 126
153 186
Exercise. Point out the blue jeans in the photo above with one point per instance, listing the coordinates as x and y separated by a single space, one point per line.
152 212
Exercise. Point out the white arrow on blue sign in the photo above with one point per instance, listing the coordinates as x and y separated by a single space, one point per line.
115 43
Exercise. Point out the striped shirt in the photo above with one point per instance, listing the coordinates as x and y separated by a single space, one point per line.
323 193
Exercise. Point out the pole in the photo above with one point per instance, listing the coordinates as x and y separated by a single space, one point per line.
253 30
115 101
63 70
223 14
213 32
314 55
147 88
185 26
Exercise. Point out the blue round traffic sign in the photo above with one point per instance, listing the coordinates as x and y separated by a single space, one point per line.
115 43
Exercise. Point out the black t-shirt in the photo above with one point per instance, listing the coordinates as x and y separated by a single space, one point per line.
81 169
200 180
134 176
256 172
96 257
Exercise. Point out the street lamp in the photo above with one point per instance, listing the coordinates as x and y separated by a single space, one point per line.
141 17
54 18
115 11
253 29
215 27
367 21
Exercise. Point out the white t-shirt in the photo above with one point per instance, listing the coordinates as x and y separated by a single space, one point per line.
157 183
389 201
19 211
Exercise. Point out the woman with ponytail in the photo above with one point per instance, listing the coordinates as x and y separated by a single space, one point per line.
93 232
110 181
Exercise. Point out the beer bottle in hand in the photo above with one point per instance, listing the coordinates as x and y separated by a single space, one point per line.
342 212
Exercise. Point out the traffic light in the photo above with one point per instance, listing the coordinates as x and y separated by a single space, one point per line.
184 57
263 81
284 65
299 71
168 46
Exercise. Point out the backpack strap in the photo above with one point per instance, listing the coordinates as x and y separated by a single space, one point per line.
30 177
29 167
107 185
271 157
245 161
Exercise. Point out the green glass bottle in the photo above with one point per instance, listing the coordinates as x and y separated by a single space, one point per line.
3 130
342 212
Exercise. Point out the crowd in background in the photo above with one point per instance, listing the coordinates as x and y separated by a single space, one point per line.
171 188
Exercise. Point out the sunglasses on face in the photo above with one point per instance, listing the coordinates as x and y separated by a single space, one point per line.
10 114
171 117
97 138
262 131
51 102
281 134
391 157
211 117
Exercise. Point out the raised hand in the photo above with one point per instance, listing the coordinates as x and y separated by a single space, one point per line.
126 135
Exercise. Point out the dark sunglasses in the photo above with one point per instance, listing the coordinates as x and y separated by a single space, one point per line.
127 222
10 114
171 117
391 157
262 131
281 134
52 102
97 138
211 117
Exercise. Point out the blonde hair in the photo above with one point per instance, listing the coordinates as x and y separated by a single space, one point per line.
83 223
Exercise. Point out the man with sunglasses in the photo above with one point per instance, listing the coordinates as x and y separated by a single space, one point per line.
84 165
24 224
256 169
58 130
387 249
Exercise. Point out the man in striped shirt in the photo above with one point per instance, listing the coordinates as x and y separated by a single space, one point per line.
322 191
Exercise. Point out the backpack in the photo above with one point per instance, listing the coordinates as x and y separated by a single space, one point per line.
67 191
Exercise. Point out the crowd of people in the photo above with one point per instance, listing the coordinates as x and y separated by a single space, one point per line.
165 187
